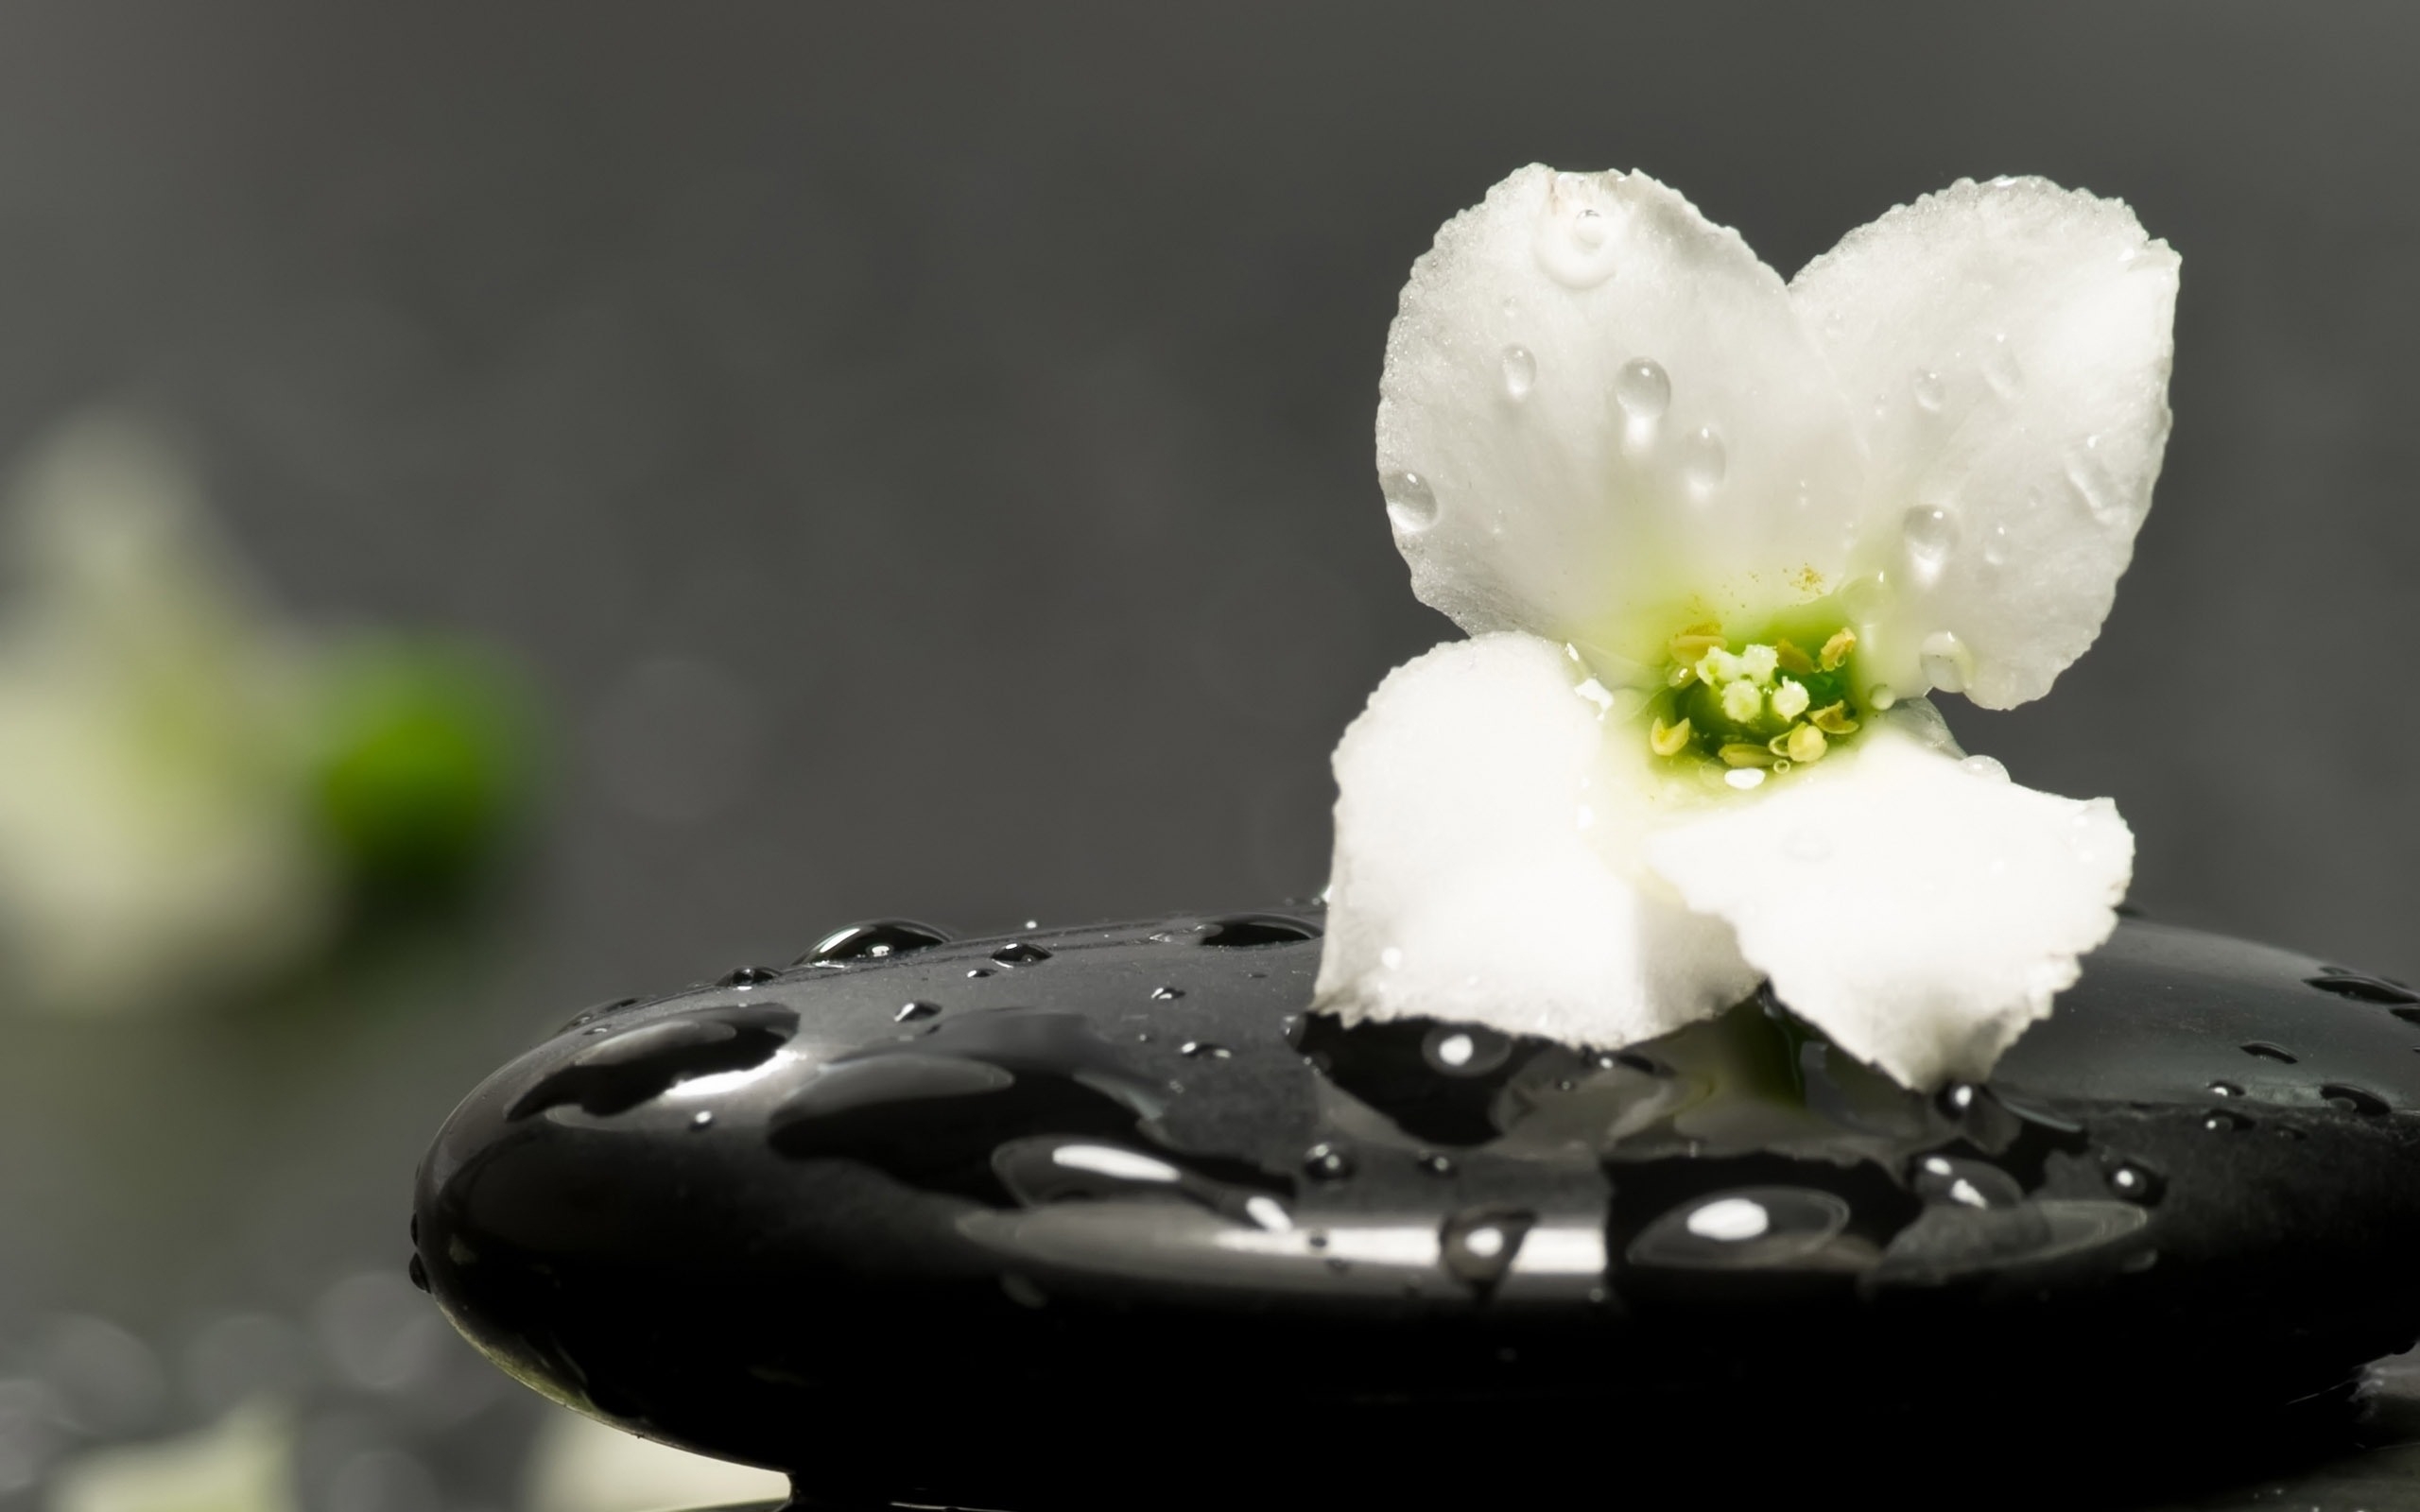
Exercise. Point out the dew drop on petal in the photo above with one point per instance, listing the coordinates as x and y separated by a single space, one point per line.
1745 779
1704 460
1946 662
1410 503
1643 388
1929 531
1987 767
1520 373
1881 695
1996 547
1863 597
2000 369
1588 229
1929 391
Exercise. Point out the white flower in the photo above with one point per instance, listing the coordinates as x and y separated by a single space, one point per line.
1749 524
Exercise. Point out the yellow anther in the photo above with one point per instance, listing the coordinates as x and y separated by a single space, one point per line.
1758 662
1792 659
1717 668
1837 649
1833 719
1745 755
1696 642
1668 740
1806 743
1742 701
1790 699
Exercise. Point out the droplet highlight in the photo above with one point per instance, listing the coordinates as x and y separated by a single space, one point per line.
1643 388
1520 369
1411 503
1704 460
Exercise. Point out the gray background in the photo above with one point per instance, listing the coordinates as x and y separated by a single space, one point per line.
923 451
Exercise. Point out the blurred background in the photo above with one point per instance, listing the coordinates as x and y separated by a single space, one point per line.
513 503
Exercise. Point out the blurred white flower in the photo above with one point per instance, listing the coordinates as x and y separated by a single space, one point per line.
1715 535
154 732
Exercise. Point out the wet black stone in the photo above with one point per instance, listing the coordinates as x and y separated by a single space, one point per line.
1132 1228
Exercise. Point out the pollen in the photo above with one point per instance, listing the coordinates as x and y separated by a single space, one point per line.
1758 662
1837 649
1791 698
1742 700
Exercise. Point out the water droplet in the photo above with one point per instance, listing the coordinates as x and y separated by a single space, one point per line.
1748 1228
1465 1050
702 1118
1643 388
1166 994
909 1013
2223 1121
1588 229
1018 952
1988 768
1746 779
1328 1161
1881 695
1929 531
2134 1180
1432 1163
1574 239
977 973
748 976
1703 462
418 1273
1945 661
2266 1051
1929 391
1250 930
2002 369
1204 1049
1804 844
1411 503
2226 1089
1520 373
2352 1099
1479 1244
1966 1183
2363 988
1268 1213
873 940
1997 547
2088 475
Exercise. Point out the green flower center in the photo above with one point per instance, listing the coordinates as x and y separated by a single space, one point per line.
1755 706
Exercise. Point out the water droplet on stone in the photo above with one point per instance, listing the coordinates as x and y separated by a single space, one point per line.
1643 388
1432 1163
1962 1182
1166 994
1461 1049
2223 1121
1410 503
2226 1089
977 973
702 1118
2352 1099
1204 1049
909 1013
2134 1180
1520 373
875 940
1929 531
1479 1244
2266 1051
747 976
1987 767
1018 952
1929 391
1703 462
1328 1161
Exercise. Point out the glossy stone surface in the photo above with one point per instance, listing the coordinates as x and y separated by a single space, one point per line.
1101 1218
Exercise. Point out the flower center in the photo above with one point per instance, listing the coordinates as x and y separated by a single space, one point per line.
1754 707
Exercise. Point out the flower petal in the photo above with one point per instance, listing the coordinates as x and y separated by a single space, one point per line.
1600 420
1919 909
2006 348
1484 869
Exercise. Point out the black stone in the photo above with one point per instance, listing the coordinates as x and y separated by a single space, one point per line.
1125 1226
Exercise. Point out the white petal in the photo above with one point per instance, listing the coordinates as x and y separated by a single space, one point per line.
1485 865
1918 909
1525 493
2006 350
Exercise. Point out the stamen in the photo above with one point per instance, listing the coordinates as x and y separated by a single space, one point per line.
1745 755
1837 649
1668 740
1792 659
1790 699
1717 668
1742 701
1834 719
1758 663
1696 642
1806 743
